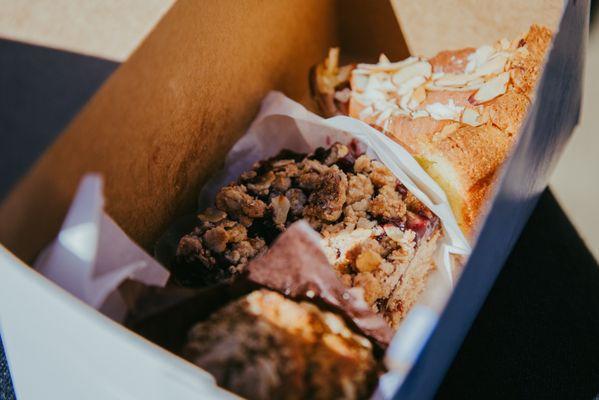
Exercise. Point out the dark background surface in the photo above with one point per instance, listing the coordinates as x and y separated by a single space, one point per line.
537 335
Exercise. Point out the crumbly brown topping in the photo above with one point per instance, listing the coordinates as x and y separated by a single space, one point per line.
264 346
371 225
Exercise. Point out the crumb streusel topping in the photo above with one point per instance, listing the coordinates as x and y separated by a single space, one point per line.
371 224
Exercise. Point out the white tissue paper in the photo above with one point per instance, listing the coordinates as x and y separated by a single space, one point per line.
92 256
285 124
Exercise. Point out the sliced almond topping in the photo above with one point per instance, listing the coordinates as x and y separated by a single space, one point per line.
392 88
410 85
384 116
419 95
484 115
445 131
455 79
413 104
440 111
422 68
379 81
405 100
493 66
383 59
420 114
361 71
471 66
395 233
471 117
493 88
482 54
387 67
366 112
358 82
472 85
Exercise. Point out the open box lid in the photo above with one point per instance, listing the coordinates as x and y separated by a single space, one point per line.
160 126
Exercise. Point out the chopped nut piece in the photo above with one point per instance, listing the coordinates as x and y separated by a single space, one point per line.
280 207
337 151
261 185
362 164
236 202
368 261
212 215
216 239
248 175
394 232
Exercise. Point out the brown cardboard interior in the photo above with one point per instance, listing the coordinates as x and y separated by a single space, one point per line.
160 126
164 120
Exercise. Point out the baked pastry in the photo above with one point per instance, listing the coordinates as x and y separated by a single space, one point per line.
376 234
265 346
458 112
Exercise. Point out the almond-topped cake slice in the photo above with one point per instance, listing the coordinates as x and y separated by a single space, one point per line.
376 234
458 112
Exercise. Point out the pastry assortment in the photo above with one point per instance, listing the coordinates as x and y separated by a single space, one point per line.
458 113
334 247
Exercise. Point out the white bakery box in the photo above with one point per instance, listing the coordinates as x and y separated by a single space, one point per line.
161 125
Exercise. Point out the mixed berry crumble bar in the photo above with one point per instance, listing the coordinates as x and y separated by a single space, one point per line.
376 234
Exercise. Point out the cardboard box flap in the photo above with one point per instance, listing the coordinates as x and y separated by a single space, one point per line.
430 26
